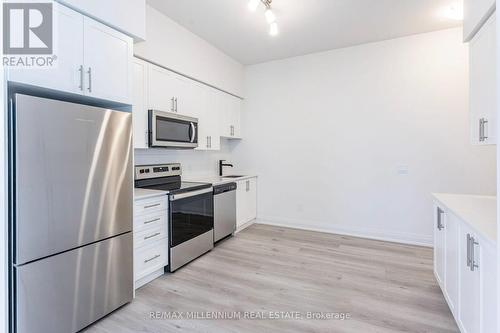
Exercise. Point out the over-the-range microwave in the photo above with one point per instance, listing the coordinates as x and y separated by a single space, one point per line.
172 130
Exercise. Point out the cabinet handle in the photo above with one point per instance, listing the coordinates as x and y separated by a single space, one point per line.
210 142
473 264
468 250
485 122
147 137
90 79
81 77
440 225
247 185
151 221
176 110
151 236
151 206
207 142
172 108
152 258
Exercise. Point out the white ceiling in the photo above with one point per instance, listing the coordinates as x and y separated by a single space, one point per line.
306 26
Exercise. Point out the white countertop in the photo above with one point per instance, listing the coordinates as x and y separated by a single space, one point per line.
216 180
142 193
479 211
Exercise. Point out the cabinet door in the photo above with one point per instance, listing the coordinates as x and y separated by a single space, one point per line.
252 199
67 74
108 62
452 230
439 245
139 105
469 285
483 84
488 266
475 12
241 203
161 91
236 117
213 119
184 96
225 114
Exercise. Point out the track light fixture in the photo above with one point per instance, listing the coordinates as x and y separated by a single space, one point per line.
269 14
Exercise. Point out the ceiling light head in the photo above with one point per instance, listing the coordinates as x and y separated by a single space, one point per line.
270 17
454 12
253 5
273 29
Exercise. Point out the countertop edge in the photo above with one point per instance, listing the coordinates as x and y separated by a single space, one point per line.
439 197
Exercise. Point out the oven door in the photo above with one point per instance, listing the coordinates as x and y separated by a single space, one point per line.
191 215
171 130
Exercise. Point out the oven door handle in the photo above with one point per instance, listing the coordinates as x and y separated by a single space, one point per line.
175 197
193 132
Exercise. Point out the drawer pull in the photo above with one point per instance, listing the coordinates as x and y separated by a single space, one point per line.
151 206
148 222
151 236
152 258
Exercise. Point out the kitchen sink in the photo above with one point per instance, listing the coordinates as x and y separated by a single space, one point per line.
233 176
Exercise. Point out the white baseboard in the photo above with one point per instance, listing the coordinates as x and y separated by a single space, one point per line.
388 236
244 226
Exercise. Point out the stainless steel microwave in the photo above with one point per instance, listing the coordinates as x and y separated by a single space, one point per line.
172 130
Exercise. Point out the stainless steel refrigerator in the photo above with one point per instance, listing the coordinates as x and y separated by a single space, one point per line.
71 195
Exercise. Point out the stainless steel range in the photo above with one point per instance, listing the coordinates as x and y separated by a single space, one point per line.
191 211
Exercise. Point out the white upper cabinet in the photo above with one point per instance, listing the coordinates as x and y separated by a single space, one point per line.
160 89
68 47
482 80
108 62
230 108
92 60
139 104
475 14
127 16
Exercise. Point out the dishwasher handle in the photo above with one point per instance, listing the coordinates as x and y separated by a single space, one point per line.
225 188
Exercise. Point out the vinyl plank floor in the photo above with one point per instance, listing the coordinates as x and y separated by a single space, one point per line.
269 271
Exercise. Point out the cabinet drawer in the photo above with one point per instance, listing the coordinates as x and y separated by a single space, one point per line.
150 235
150 205
150 258
146 221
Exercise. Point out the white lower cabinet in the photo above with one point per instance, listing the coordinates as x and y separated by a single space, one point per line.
465 267
246 201
150 239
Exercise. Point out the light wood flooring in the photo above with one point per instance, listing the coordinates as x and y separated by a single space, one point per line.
384 287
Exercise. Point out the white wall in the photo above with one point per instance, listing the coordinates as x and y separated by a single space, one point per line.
171 45
331 135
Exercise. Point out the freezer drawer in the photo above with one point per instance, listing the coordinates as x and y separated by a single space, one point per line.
73 176
69 291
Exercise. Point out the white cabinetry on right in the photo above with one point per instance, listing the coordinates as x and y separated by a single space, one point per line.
465 268
482 80
246 201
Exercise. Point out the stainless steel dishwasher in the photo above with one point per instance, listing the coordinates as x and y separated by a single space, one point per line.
224 210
